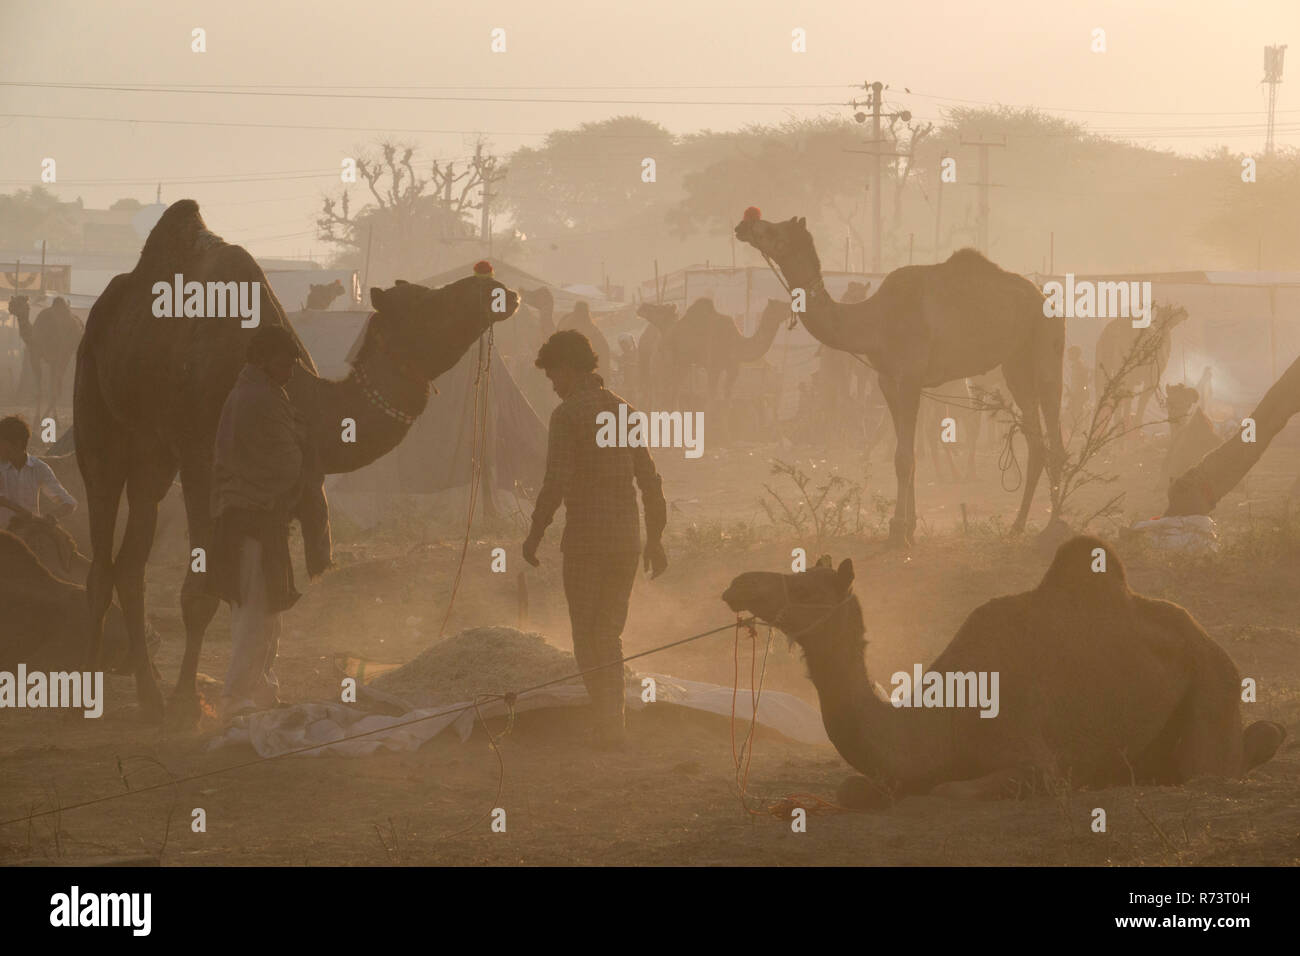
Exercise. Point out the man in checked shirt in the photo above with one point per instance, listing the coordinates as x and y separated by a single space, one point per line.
602 527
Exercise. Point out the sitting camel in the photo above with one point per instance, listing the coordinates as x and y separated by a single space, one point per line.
1098 686
46 620
52 545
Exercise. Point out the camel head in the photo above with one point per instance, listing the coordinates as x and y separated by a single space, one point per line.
796 603
662 317
788 244
20 308
430 329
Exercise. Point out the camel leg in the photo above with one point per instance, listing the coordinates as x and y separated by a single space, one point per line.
1051 382
150 477
947 447
198 605
904 400
1022 390
104 484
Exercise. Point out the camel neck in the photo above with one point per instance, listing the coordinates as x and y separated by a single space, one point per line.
902 746
855 327
379 401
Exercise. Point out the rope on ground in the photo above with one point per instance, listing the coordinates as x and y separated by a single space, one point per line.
509 699
482 377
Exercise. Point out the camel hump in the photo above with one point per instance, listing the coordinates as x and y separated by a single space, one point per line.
970 258
173 237
1087 566
701 306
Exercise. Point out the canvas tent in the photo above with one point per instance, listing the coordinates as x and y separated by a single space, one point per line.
518 279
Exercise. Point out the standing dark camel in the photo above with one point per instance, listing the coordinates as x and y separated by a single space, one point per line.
929 325
149 392
50 341
320 296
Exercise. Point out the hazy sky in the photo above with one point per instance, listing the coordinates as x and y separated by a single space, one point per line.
1178 74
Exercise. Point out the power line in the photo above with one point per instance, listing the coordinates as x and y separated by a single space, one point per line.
527 86
393 96
1073 109
1200 130
330 129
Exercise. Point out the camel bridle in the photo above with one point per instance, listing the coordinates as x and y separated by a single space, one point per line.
787 604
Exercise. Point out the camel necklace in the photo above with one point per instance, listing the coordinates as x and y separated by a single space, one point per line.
376 399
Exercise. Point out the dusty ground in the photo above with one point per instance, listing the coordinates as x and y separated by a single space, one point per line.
670 797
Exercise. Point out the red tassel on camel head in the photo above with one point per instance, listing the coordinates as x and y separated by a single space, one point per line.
483 268
752 213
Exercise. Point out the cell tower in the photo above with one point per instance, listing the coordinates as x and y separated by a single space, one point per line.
1272 76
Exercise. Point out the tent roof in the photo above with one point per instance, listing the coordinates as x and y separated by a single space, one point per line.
517 278
504 271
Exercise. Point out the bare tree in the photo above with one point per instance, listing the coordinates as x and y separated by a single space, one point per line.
1078 469
409 211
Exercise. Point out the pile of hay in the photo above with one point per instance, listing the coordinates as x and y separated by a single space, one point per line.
480 660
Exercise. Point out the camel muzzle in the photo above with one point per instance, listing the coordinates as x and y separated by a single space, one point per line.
748 592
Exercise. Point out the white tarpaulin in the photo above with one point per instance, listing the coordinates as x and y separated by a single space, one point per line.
276 732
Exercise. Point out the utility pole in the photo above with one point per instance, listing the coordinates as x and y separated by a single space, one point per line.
876 153
488 171
982 243
938 211
1273 56
876 88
